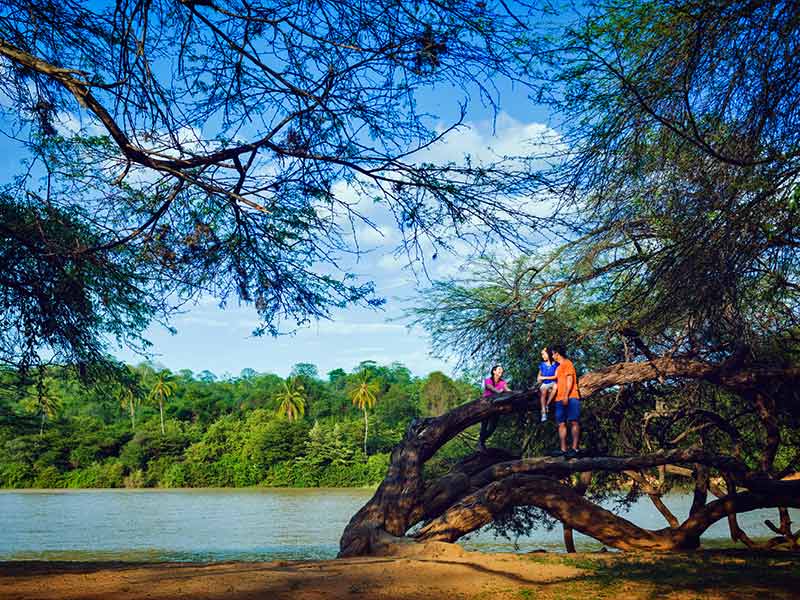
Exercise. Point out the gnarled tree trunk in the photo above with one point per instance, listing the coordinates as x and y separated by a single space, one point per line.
485 484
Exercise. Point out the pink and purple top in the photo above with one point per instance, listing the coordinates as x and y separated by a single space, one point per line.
500 385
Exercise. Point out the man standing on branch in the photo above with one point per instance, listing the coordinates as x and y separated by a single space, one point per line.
568 404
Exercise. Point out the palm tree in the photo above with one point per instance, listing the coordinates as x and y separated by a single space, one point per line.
163 387
129 400
49 404
363 393
43 400
292 403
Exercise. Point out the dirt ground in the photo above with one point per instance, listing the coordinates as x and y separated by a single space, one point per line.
444 571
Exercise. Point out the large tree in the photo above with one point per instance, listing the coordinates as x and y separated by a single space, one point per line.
676 192
172 148
734 460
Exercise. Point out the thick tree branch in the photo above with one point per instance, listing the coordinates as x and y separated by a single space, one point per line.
565 504
399 501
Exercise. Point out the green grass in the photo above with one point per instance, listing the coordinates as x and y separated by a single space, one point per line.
734 573
696 573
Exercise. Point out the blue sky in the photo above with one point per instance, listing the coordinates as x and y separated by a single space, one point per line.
220 339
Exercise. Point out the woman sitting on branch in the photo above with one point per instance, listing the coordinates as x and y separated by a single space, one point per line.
547 380
494 384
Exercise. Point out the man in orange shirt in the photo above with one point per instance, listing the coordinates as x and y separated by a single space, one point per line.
567 404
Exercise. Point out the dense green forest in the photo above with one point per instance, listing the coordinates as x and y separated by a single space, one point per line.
254 429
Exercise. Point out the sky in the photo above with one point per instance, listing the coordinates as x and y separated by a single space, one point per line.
219 339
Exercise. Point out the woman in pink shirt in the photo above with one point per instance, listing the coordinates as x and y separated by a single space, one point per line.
494 384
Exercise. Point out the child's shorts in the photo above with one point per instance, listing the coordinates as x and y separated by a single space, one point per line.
548 385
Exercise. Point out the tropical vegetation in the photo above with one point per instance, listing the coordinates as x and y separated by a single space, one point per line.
197 429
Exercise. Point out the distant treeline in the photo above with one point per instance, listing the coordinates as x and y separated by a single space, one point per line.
155 428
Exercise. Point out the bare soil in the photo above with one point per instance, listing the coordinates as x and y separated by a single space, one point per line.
437 571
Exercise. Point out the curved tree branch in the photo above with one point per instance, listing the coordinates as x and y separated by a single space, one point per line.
399 501
568 506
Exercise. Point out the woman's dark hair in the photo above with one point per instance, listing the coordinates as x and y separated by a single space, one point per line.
558 348
549 351
491 373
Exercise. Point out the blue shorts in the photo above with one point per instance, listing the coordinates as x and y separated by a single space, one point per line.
570 412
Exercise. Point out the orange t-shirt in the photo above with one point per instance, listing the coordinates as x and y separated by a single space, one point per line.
565 368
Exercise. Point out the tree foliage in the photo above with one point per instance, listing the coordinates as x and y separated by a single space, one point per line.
162 388
675 192
291 402
363 394
217 431
679 187
175 149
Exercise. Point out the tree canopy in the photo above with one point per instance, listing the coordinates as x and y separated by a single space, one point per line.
674 289
680 182
171 149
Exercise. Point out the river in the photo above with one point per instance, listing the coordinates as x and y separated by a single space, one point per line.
202 525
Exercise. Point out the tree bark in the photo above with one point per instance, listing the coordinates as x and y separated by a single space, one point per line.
569 507
766 412
366 430
701 479
655 492
559 500
448 489
662 508
584 481
784 531
399 502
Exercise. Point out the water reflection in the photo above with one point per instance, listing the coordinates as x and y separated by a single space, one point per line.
244 524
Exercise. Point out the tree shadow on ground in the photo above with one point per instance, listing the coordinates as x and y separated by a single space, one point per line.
730 573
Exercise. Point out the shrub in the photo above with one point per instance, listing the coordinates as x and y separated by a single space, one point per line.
48 478
305 473
174 477
109 474
134 480
156 469
15 474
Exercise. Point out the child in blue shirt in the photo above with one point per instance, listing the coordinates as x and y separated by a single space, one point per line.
547 379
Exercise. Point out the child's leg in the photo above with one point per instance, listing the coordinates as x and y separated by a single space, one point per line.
543 400
551 394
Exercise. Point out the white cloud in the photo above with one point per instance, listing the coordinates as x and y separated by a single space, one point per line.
354 328
485 141
376 235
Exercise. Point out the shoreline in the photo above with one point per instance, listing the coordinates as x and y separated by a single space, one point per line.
435 571
179 489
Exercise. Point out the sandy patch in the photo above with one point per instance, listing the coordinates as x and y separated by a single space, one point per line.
437 572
